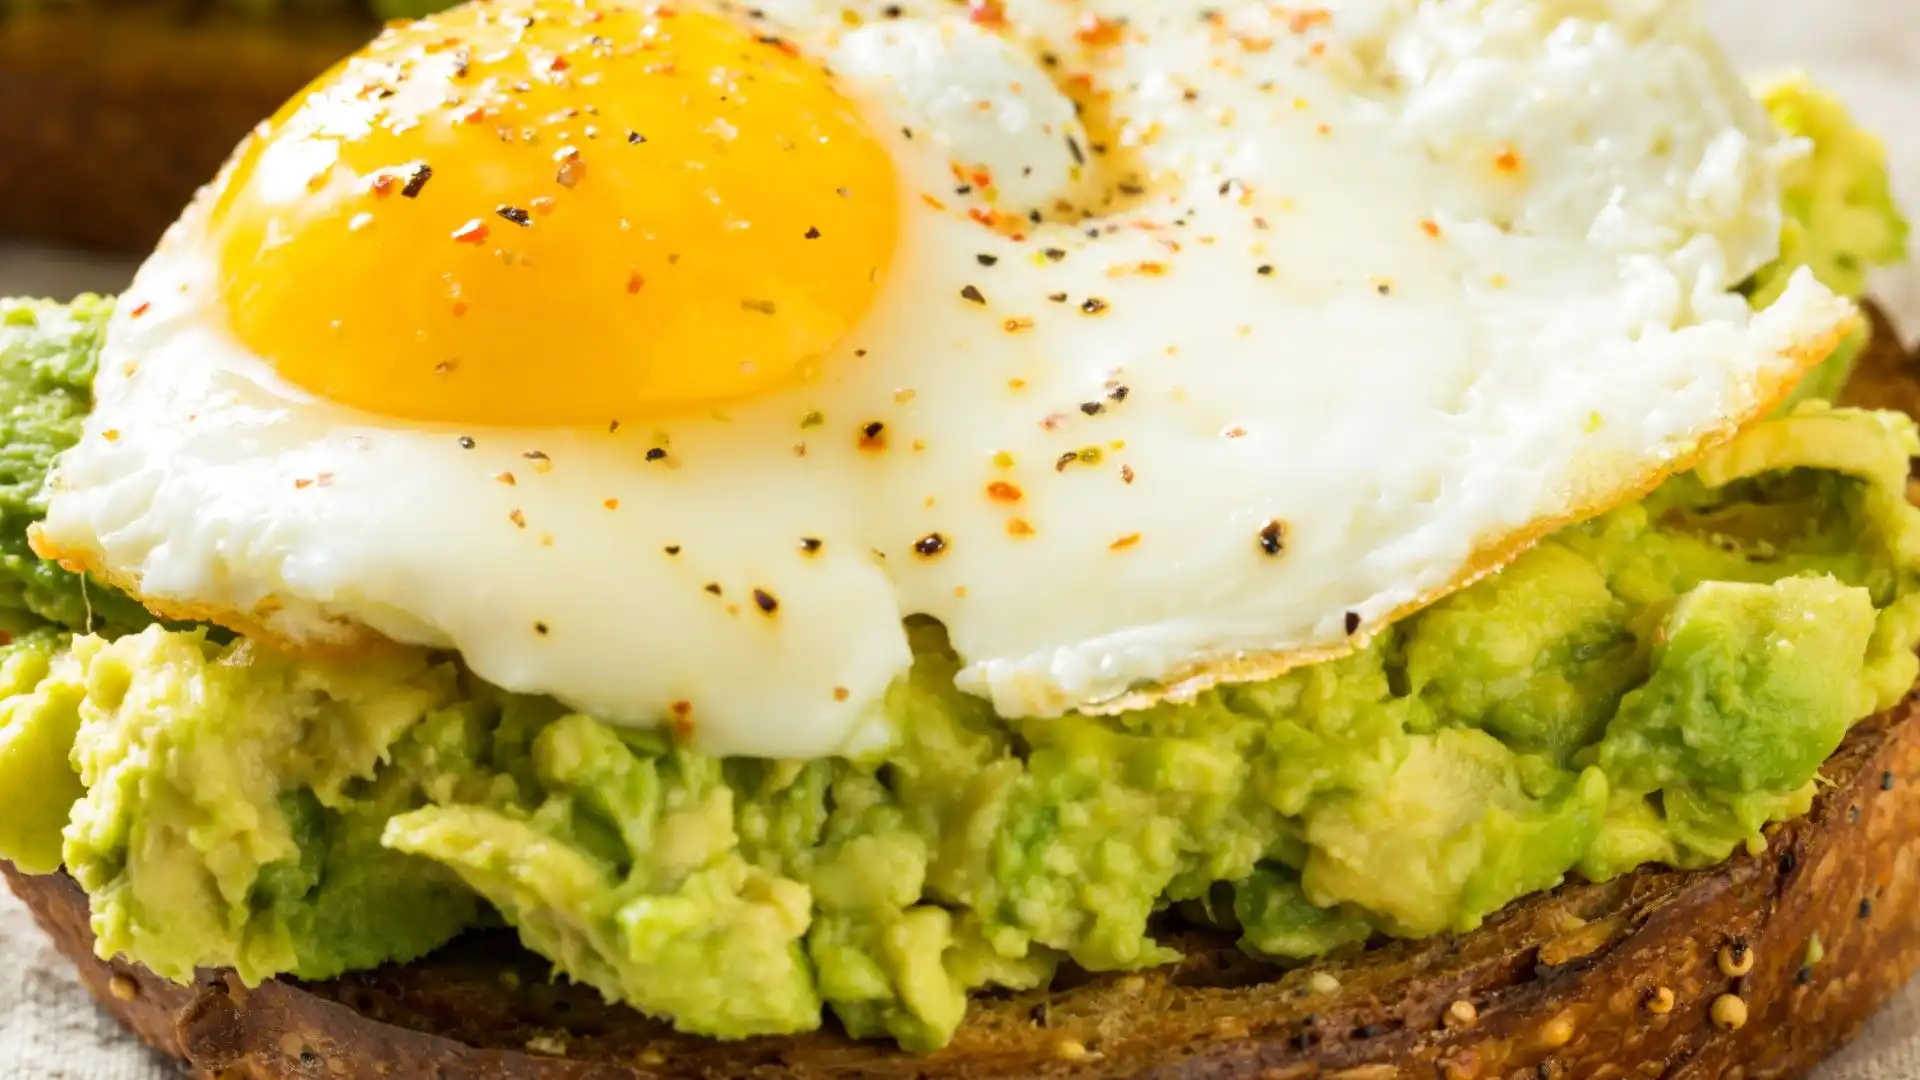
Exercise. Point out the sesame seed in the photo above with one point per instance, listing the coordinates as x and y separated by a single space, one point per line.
1735 958
1660 1001
1729 1012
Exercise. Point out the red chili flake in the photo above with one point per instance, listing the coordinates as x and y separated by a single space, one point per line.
973 294
682 719
1507 161
841 693
635 282
989 13
473 232
1096 31
930 545
417 182
140 309
514 214
1124 542
1302 21
1273 537
542 204
1002 492
765 601
381 185
559 63
1019 527
519 519
1431 228
1352 622
786 47
569 173
505 478
611 504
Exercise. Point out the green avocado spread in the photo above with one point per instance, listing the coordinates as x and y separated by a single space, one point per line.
1654 685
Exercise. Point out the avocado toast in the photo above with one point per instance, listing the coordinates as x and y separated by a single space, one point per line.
1656 682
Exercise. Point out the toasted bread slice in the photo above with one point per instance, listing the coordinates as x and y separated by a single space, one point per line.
1757 968
111 119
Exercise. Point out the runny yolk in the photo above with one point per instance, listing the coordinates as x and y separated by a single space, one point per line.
556 212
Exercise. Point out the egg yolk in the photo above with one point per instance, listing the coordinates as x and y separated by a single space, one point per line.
556 212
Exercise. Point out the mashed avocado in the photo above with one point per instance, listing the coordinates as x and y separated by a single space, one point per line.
1654 685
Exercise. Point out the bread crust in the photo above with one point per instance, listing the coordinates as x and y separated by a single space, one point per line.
111 119
1689 976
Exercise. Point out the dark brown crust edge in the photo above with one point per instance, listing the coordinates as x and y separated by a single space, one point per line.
1637 977
109 121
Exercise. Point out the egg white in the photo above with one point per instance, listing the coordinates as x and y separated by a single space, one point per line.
1413 281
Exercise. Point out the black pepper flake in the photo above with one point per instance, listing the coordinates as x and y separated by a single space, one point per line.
1366 1031
812 233
972 293
1058 297
891 11
986 260
1117 394
515 214
1054 254
1866 908
1073 147
1264 269
765 601
417 181
542 629
466 442
1093 305
713 587
1789 861
762 307
1092 408
656 453
672 549
930 545
1352 619
1805 975
1886 780
873 436
810 544
1273 537
1060 463
634 138
1384 289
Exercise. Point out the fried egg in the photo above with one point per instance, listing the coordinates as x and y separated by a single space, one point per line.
665 358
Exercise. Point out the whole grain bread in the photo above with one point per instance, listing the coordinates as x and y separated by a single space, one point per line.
111 118
1755 969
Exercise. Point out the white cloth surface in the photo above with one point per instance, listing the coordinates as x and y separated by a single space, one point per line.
1867 51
